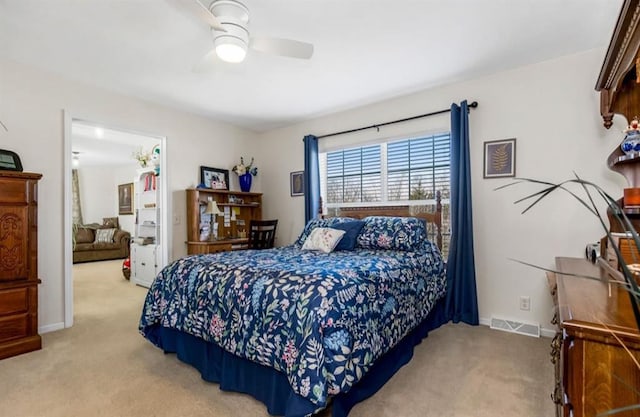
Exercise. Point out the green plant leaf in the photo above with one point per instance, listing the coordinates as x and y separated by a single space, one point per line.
630 284
619 410
621 218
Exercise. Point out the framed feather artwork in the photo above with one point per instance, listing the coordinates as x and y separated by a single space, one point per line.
500 158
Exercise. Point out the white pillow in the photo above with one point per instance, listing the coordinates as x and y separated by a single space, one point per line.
323 239
104 235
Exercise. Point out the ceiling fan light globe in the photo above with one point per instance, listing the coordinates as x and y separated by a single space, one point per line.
231 50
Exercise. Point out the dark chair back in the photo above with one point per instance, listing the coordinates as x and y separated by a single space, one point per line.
262 234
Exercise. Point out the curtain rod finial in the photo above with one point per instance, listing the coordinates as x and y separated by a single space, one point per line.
473 104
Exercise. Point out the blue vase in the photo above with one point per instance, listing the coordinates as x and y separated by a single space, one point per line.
631 142
245 182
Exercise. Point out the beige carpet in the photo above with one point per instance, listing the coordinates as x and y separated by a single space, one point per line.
103 367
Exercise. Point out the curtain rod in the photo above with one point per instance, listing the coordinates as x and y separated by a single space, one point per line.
472 105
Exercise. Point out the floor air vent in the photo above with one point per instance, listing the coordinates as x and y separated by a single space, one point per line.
527 329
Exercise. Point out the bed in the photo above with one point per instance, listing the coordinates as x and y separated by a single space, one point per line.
302 330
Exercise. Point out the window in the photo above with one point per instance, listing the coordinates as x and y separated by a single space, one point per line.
417 168
354 175
401 172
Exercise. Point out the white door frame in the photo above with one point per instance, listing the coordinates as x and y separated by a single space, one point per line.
165 232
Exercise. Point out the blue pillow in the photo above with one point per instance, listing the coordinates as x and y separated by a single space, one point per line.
350 237
318 222
392 233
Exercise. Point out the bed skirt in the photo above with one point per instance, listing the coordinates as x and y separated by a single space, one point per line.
271 387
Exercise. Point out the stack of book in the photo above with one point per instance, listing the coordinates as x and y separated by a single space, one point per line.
144 240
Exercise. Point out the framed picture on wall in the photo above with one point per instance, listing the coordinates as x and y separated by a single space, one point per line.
500 158
214 178
125 198
297 183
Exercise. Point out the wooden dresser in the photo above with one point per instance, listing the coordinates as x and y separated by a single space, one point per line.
18 263
594 372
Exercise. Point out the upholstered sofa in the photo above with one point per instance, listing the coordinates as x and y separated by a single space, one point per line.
95 242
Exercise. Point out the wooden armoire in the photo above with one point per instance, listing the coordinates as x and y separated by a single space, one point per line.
18 263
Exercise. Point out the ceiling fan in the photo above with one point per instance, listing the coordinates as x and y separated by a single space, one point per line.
229 22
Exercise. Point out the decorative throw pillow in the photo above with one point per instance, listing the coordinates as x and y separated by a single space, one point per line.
393 233
111 222
351 229
104 235
85 235
313 223
323 239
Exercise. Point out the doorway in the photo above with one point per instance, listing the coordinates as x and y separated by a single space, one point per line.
101 162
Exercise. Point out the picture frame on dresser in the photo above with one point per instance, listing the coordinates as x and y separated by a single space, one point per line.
214 178
10 161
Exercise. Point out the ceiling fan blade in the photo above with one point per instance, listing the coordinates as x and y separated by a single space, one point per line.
208 17
284 47
207 64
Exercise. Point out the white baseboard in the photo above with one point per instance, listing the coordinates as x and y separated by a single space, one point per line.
550 333
544 332
51 327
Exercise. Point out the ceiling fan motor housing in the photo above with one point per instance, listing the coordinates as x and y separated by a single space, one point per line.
230 9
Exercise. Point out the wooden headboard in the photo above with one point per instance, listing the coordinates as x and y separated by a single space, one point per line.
400 211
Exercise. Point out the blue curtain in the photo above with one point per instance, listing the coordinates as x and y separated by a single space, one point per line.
462 300
311 178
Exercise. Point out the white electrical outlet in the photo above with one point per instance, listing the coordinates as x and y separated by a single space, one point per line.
525 303
176 219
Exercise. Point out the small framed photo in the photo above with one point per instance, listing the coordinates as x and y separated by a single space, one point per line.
125 199
297 183
500 158
214 178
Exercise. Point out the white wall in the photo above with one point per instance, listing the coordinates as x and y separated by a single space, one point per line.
99 192
552 110
32 105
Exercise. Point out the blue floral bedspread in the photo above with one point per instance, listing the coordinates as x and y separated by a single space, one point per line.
322 319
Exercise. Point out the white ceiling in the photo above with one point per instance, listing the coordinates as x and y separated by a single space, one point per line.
95 145
365 51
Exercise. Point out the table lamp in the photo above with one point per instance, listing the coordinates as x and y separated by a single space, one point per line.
212 208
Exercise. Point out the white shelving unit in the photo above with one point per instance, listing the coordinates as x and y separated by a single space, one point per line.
146 245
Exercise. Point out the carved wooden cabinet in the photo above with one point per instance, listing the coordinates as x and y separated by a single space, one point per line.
594 372
619 87
618 79
18 263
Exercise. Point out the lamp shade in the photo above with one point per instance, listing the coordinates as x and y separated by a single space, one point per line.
212 208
